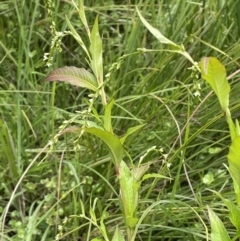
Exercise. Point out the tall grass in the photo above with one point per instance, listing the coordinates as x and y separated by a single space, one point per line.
155 88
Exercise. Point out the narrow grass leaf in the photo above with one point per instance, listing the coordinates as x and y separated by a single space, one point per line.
218 231
154 175
215 74
32 220
8 149
74 76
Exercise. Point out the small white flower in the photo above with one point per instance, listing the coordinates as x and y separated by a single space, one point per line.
65 220
59 34
45 56
197 93
49 65
50 143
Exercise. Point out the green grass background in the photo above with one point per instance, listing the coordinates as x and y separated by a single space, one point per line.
144 88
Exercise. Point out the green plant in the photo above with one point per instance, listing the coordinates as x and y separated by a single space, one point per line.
215 74
73 193
129 179
129 182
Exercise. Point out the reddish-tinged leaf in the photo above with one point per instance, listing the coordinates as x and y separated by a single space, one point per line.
74 76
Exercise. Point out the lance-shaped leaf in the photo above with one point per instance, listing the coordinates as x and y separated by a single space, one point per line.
107 116
82 15
129 194
218 231
74 76
118 235
234 211
130 131
175 48
234 165
215 74
96 60
156 33
112 141
96 52
114 144
234 214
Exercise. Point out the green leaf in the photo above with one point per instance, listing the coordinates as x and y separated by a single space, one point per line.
218 231
112 142
154 175
161 38
96 52
93 215
214 150
234 211
118 235
7 146
107 116
89 123
82 208
129 194
74 33
138 172
215 74
208 178
74 76
103 229
234 131
130 131
82 15
234 215
237 129
234 164
131 221
156 33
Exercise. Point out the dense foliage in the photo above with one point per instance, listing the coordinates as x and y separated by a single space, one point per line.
64 185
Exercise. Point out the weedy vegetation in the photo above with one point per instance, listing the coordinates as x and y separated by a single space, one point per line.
119 120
